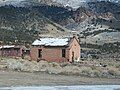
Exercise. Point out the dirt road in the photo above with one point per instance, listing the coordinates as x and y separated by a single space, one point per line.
12 78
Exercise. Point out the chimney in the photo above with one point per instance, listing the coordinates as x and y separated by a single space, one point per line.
76 36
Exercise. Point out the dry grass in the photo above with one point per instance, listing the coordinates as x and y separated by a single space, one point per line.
86 68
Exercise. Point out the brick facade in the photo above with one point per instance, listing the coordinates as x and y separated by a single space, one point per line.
11 52
54 53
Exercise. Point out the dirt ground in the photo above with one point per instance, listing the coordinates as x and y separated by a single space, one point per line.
13 78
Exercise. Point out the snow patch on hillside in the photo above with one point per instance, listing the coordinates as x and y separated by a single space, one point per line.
71 3
77 3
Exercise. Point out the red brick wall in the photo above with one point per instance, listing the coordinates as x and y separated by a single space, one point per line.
34 53
48 53
74 47
11 52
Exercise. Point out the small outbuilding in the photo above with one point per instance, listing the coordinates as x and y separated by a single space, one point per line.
11 51
56 49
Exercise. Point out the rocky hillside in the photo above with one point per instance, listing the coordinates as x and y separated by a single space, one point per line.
23 25
96 22
95 25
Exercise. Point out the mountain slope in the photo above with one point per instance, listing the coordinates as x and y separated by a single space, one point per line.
20 25
91 18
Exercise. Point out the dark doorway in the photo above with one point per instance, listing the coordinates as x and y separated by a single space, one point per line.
23 53
39 53
72 56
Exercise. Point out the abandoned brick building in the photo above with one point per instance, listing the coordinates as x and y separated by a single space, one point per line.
11 51
56 49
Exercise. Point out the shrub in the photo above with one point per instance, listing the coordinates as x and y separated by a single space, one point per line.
93 67
86 72
73 70
96 73
118 66
112 72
